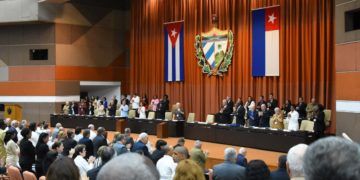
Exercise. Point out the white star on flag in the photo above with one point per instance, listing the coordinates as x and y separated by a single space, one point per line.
272 18
173 33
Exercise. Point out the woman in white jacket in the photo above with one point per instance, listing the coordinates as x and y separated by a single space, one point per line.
293 119
83 165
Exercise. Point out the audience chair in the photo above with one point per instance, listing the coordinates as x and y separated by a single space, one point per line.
132 114
42 178
210 119
307 125
327 119
151 115
234 120
191 118
29 175
14 173
117 113
168 115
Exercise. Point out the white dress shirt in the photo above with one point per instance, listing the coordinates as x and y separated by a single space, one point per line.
293 121
124 109
77 137
142 113
92 135
34 138
135 102
166 167
83 165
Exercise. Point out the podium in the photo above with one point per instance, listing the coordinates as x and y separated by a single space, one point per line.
162 130
13 111
120 125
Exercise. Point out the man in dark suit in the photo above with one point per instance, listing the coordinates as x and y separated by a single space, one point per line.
224 115
301 108
140 146
69 142
229 103
229 169
253 116
273 102
280 173
260 102
319 121
106 156
264 115
240 114
99 140
88 143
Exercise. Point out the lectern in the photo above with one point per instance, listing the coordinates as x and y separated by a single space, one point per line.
13 111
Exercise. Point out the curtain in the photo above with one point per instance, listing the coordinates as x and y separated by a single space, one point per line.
306 52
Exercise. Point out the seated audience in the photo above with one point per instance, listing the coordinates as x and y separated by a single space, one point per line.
180 142
293 119
78 134
69 142
187 170
106 155
264 116
253 115
166 165
241 157
280 173
277 119
159 152
12 149
229 169
88 143
64 169
80 161
27 151
133 166
124 109
310 108
99 140
140 145
332 158
197 154
301 108
295 158
180 153
120 145
41 150
257 170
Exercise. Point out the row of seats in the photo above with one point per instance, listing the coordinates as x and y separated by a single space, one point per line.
14 174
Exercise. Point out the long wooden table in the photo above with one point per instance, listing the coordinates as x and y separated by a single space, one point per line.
266 139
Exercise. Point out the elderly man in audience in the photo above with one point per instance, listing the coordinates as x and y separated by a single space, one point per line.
120 145
332 158
92 131
310 108
129 139
180 142
99 140
229 169
166 165
277 119
180 153
198 155
56 130
106 156
280 173
295 161
241 157
140 145
132 166
293 119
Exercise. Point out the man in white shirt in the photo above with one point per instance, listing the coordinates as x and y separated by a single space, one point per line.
293 119
135 101
78 134
92 131
166 165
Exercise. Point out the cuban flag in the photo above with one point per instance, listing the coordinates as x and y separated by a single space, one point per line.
174 51
265 41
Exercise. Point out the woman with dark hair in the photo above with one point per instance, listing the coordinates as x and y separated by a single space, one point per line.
159 152
41 150
12 149
63 168
69 142
80 161
257 170
34 135
27 151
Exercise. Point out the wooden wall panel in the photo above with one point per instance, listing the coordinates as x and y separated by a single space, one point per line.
31 73
38 88
347 57
348 86
78 73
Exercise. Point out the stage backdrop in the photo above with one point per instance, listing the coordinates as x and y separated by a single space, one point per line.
306 52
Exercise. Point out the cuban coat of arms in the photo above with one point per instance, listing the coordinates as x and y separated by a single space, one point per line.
214 51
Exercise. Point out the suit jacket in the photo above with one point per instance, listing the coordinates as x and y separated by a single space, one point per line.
140 146
230 104
301 109
92 173
89 146
27 152
253 118
240 114
264 119
156 155
198 156
99 141
241 160
279 174
228 170
319 124
274 104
